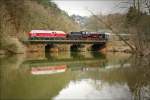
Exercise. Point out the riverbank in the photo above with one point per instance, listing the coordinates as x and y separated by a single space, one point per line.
12 45
3 52
114 44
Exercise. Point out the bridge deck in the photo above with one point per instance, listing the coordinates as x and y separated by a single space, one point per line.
66 41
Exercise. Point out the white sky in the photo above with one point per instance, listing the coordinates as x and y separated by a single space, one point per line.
79 7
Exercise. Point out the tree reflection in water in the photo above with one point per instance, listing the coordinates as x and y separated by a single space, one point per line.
99 76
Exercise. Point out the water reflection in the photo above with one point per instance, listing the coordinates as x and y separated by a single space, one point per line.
48 70
71 75
87 89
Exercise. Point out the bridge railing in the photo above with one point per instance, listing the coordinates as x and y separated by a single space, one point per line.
66 41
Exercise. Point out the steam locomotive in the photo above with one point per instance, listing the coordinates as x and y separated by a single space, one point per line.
82 35
88 35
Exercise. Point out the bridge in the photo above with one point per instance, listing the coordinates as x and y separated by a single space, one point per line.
67 41
64 45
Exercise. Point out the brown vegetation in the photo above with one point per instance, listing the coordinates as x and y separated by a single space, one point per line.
135 23
17 17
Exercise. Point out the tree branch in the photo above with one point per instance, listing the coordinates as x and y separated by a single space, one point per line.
115 32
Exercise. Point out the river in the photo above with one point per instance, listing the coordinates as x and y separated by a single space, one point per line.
72 75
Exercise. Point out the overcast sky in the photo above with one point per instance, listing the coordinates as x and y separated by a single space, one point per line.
79 7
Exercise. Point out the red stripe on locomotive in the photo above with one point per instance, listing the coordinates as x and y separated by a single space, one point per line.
46 33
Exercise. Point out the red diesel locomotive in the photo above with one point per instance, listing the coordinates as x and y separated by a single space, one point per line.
46 34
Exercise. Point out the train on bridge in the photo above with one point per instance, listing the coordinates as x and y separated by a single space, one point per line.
60 35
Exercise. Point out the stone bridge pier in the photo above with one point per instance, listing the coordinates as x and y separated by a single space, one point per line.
53 47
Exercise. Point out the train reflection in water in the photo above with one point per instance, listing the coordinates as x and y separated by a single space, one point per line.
76 61
48 70
59 69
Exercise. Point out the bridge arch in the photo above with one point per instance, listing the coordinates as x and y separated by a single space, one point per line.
74 47
50 48
98 47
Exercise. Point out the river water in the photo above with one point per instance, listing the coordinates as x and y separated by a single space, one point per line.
71 75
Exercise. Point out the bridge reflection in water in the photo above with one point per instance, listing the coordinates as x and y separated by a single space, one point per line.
88 75
59 62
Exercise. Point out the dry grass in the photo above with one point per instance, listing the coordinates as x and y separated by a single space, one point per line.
13 45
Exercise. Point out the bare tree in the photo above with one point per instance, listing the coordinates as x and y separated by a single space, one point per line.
107 25
147 4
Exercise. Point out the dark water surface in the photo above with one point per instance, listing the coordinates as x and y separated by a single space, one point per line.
86 75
